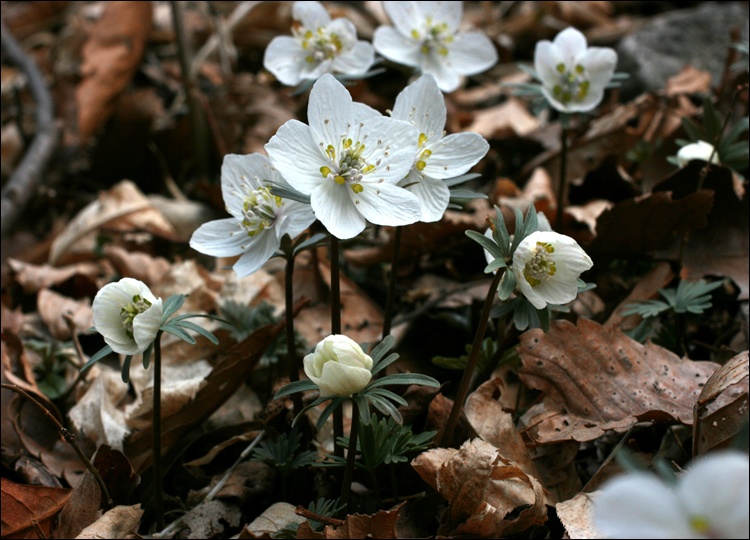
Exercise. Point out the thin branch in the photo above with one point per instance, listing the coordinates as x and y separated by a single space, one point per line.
24 180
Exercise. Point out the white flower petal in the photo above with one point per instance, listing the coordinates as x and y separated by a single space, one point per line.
285 59
422 104
338 379
355 61
300 217
432 193
446 77
700 150
219 238
571 43
336 211
396 47
296 156
546 59
639 505
450 13
146 325
472 53
455 154
311 14
386 204
257 251
405 15
329 111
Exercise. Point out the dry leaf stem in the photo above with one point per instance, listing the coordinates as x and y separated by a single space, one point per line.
338 413
158 493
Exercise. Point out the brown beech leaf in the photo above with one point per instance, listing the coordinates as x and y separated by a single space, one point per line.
120 522
482 488
33 277
494 425
576 516
136 264
122 208
689 80
52 306
509 118
82 509
111 56
653 221
722 408
595 380
23 504
379 525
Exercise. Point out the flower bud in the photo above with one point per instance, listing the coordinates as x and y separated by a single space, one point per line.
698 150
127 315
338 366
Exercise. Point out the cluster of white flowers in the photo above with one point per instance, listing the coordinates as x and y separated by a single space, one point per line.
425 36
709 500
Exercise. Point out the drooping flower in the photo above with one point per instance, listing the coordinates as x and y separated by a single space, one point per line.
338 366
259 218
543 224
546 265
573 75
426 36
348 160
697 150
439 156
127 315
318 45
709 500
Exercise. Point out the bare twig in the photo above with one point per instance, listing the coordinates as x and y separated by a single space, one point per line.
23 182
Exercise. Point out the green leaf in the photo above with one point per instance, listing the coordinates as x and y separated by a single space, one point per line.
382 348
486 243
465 195
711 120
507 285
384 363
692 129
386 394
500 233
290 194
172 304
495 265
316 240
179 332
294 387
125 374
101 353
450 182
645 308
187 325
335 402
405 378
147 353
694 297
518 235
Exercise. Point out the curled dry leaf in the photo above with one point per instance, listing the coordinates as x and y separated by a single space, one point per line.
120 522
110 58
122 208
23 505
379 525
576 516
52 306
482 488
721 411
595 380
33 277
136 264
501 121
274 518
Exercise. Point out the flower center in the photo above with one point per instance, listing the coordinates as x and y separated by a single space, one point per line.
350 167
129 311
319 45
259 210
436 37
702 526
572 85
541 267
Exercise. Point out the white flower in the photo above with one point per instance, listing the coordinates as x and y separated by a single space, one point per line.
127 315
547 265
543 224
710 500
427 37
573 75
259 218
348 160
319 45
698 150
338 366
439 156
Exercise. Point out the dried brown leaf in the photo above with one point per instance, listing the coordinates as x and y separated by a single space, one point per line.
647 288
379 525
136 264
82 509
595 380
23 504
509 118
52 306
576 516
110 57
120 522
33 277
722 408
689 80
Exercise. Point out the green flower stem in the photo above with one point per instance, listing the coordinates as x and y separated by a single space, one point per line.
291 350
70 438
463 387
562 182
158 493
338 415
346 485
388 315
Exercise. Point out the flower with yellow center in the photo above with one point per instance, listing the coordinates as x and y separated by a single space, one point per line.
426 37
318 45
573 75
348 160
709 500
259 218
127 315
439 156
547 266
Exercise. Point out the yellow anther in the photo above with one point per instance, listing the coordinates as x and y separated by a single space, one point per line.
422 139
340 180
331 151
347 143
368 168
560 67
443 51
579 69
421 165
425 49
325 171
415 34
426 153
357 188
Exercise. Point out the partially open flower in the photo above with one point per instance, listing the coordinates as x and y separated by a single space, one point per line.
709 500
698 150
547 266
573 75
338 366
127 315
319 45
